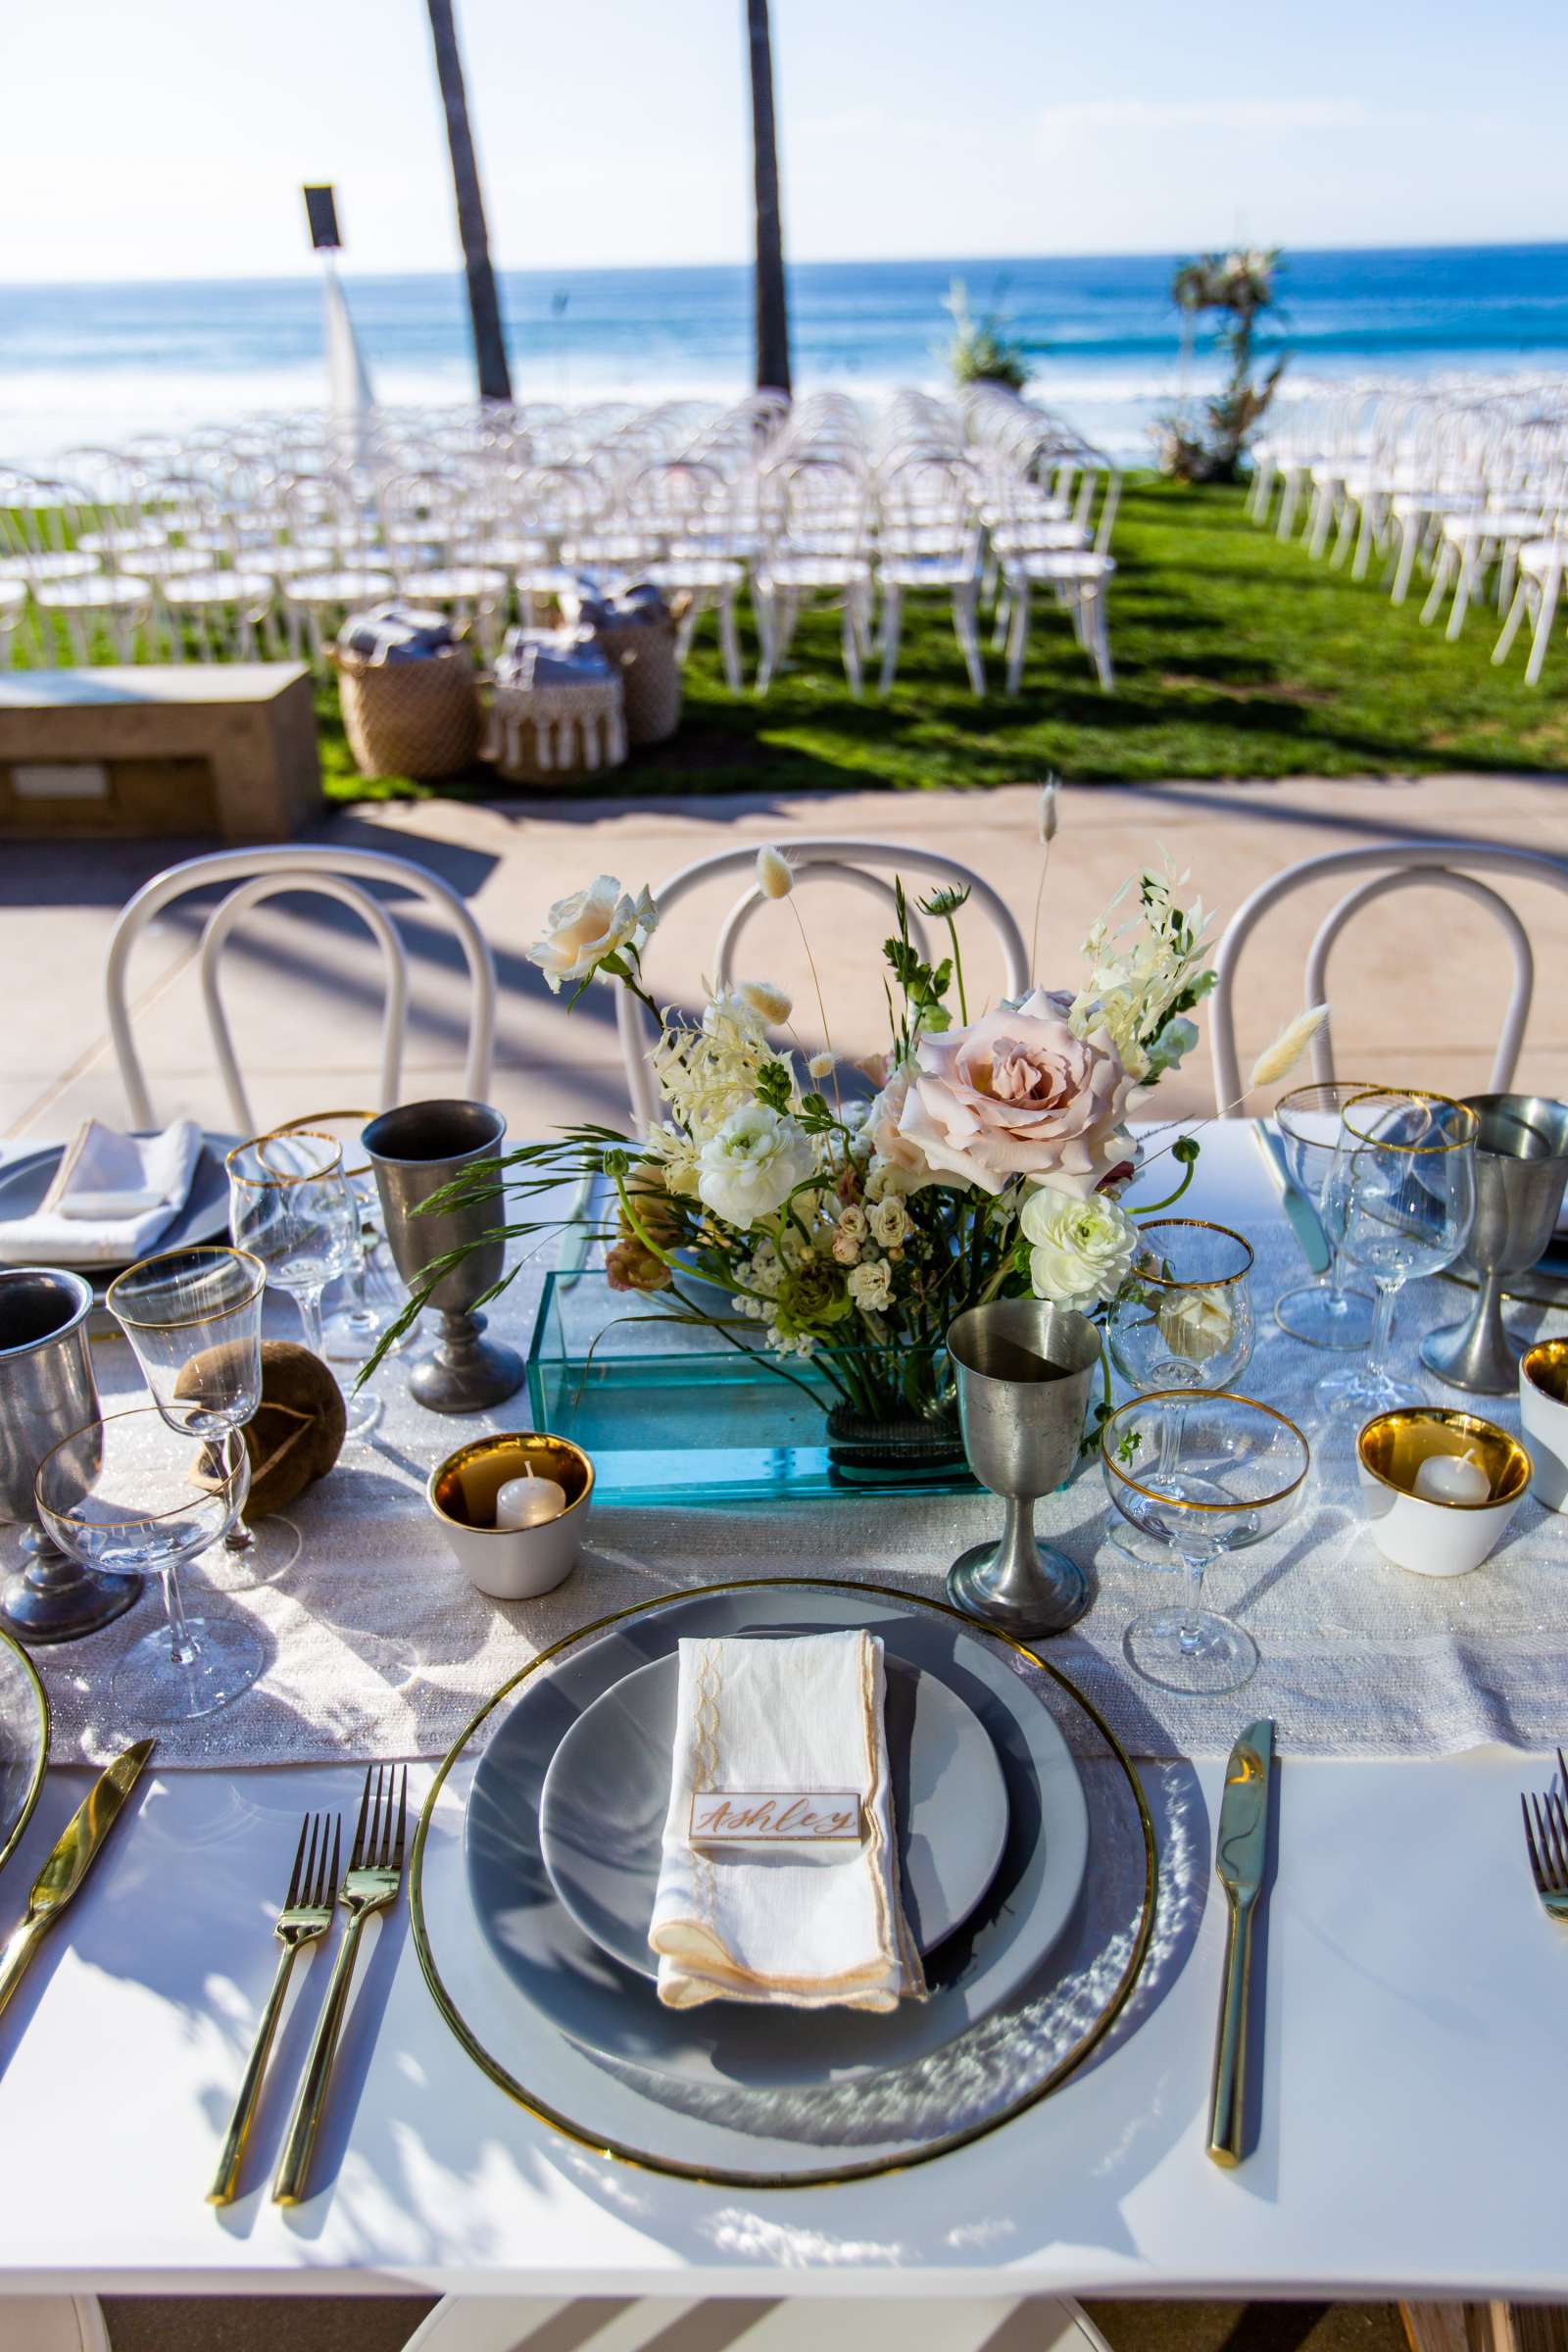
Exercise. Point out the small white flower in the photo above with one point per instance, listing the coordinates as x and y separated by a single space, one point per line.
871 1285
890 1221
853 1220
820 1065
1196 1324
846 1248
749 1169
1082 1250
589 925
774 877
770 1004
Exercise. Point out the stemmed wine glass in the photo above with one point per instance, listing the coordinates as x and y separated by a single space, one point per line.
354 1332
194 1318
1401 1203
1328 1311
290 1205
1183 1320
132 1491
1233 1474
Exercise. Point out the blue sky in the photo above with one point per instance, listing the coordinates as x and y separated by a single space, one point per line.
169 138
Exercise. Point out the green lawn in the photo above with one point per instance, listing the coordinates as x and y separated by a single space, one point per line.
1235 657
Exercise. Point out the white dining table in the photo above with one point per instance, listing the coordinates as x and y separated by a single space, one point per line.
1413 2071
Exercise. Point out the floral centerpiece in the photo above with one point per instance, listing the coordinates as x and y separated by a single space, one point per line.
832 1220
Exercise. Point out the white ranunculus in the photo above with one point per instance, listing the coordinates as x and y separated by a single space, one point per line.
871 1287
590 925
1081 1247
749 1169
1196 1324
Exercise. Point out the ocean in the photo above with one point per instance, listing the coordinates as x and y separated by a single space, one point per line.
90 365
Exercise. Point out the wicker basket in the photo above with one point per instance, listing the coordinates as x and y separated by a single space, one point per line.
644 652
410 719
556 734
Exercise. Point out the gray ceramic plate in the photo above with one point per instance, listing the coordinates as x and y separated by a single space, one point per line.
23 1741
24 1181
566 1982
601 1813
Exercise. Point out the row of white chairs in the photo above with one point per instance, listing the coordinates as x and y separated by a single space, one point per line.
1464 481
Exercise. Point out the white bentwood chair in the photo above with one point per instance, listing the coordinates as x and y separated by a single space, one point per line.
809 2324
1450 865
330 873
817 858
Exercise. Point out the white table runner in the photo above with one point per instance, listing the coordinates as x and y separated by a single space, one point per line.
379 1648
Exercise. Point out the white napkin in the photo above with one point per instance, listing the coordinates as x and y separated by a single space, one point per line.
111 1197
809 1927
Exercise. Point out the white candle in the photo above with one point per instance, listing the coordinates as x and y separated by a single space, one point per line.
529 1502
1452 1477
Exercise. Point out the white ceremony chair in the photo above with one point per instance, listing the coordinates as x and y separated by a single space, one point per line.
1080 577
1450 865
1542 563
808 2324
267 874
928 544
817 858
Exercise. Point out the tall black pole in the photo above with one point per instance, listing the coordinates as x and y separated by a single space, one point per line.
489 342
772 303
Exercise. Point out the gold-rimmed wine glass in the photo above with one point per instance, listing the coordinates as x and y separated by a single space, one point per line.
194 1318
1329 1310
1201 1474
289 1204
1400 1203
132 1491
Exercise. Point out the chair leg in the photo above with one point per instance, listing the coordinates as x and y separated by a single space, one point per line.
892 632
1470 569
965 627
850 637
1510 627
1097 620
1410 541
1543 620
1440 583
1288 505
765 607
1017 634
730 643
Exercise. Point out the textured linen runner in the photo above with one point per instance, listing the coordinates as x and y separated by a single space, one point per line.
379 1647
809 1929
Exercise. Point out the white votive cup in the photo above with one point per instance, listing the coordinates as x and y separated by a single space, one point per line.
512 1563
1544 1418
1437 1535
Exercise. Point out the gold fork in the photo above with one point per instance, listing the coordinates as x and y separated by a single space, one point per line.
375 1869
1547 1841
305 1918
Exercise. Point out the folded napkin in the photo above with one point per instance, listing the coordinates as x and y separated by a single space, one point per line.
111 1197
534 658
392 633
812 1926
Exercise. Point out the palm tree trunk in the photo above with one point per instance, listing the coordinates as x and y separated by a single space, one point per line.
772 304
489 342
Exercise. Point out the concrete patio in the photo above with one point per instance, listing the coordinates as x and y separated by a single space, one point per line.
1418 988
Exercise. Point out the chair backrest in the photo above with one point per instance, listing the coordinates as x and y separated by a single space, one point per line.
1394 866
817 858
265 873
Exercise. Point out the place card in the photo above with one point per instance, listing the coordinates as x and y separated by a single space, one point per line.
776 1817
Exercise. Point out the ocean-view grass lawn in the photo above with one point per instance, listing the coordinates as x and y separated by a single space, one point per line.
1235 657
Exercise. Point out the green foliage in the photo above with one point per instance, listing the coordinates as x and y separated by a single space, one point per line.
981 351
1239 286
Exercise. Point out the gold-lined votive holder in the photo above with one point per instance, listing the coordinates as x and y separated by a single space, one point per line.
1438 1534
1544 1418
512 1563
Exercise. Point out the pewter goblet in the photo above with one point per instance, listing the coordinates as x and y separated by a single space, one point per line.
1521 1161
46 1391
1024 1375
414 1150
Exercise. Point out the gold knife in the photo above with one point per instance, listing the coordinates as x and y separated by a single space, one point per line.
63 1873
1240 1856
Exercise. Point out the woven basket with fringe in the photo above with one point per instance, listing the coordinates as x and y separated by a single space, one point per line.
410 719
644 652
556 734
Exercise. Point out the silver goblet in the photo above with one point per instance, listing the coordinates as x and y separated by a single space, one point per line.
46 1393
1521 1161
1024 1373
414 1150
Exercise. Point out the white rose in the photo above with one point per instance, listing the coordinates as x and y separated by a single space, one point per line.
890 1221
1082 1248
590 925
749 1169
871 1287
1196 1324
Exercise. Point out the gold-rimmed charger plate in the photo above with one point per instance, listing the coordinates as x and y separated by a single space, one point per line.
23 1741
823 2132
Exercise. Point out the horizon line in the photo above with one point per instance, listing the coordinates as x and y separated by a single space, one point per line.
305 275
